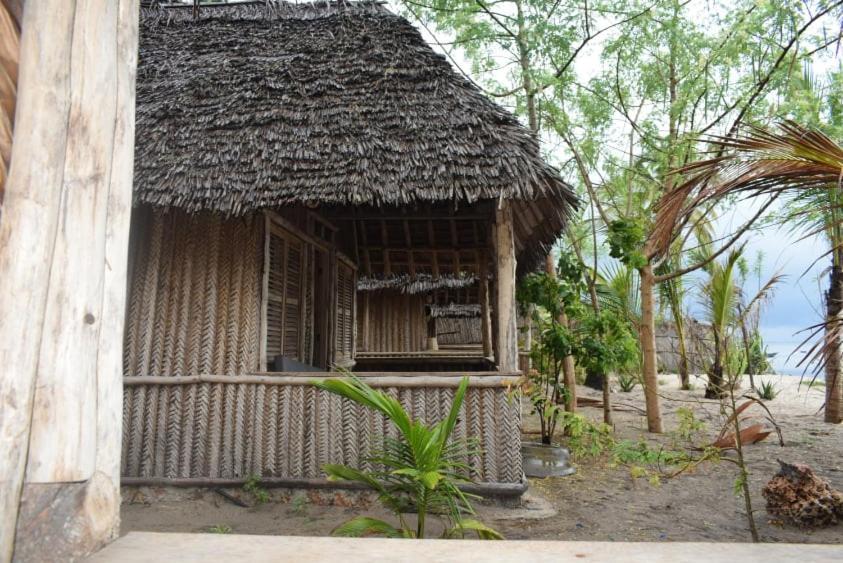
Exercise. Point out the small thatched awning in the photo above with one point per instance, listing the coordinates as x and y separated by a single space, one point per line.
324 103
415 284
454 311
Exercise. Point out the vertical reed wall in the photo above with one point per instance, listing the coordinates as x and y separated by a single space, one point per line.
194 298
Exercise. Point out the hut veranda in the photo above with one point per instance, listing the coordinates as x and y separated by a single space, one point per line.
315 188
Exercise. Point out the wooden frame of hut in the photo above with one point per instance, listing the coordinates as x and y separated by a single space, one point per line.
283 153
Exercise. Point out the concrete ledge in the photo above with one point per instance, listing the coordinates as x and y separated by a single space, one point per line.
202 548
205 548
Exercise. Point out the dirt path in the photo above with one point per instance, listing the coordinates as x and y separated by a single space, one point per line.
600 502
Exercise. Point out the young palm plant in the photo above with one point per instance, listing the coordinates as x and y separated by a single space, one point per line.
420 471
804 164
726 309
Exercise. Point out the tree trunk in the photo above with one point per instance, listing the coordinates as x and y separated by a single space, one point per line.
569 373
647 335
63 261
714 389
833 379
679 324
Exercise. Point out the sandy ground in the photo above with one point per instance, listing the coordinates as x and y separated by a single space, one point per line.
600 502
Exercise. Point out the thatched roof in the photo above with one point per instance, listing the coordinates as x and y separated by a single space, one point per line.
415 284
260 106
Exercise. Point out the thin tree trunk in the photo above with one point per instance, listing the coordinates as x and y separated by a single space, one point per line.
747 347
568 368
647 335
684 368
715 390
834 311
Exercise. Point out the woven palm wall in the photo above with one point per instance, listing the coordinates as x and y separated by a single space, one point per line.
221 430
397 323
194 301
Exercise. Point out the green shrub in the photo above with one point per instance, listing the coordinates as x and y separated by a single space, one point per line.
767 391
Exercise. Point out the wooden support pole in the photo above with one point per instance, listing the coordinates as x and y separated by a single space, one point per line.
485 314
63 262
432 342
507 329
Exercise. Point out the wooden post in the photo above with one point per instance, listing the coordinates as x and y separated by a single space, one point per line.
432 342
485 315
63 260
507 329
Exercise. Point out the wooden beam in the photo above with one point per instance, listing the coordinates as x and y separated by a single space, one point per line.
63 261
507 330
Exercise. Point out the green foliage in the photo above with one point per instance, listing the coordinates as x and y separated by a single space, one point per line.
627 382
689 426
626 240
584 437
420 471
220 529
253 487
604 342
767 390
757 363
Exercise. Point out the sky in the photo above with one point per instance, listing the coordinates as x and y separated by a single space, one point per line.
797 303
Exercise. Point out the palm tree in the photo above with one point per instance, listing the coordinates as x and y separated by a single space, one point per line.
806 166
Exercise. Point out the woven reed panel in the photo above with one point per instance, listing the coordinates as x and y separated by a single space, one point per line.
232 430
194 299
397 322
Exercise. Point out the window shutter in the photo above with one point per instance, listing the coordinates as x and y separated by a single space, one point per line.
283 300
344 334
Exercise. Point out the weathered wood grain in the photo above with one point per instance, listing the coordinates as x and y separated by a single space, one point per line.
63 265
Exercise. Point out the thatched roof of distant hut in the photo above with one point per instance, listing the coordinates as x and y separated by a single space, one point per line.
325 103
416 283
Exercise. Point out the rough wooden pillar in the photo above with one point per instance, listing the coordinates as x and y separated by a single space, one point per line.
485 315
63 260
507 329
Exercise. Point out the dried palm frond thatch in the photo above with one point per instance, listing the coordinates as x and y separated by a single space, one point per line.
454 311
342 103
415 283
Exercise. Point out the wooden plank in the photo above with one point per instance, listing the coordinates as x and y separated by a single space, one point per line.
489 379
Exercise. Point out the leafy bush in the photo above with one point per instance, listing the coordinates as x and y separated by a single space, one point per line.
420 470
627 382
220 529
767 391
586 438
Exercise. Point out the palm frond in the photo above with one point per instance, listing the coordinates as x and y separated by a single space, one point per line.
789 160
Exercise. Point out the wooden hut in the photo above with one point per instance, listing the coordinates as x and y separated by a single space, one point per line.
287 156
